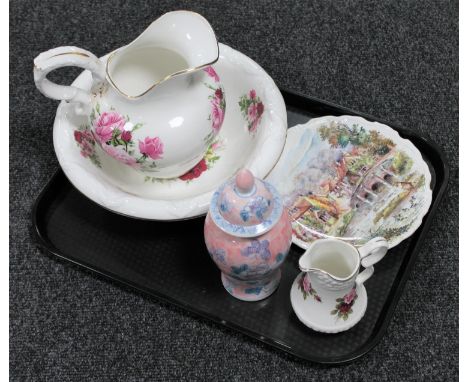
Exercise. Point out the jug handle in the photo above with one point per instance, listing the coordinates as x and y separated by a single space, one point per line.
65 56
373 251
364 275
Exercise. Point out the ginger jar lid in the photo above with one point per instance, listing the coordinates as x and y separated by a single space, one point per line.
246 206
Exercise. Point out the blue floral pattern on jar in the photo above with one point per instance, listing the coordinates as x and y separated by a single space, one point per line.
257 206
225 206
250 271
280 257
254 290
218 255
240 269
258 249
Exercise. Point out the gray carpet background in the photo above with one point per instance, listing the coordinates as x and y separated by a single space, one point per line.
397 60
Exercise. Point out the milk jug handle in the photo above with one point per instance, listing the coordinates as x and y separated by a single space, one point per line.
364 275
373 251
62 57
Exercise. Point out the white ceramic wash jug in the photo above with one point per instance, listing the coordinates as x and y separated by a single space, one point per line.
156 104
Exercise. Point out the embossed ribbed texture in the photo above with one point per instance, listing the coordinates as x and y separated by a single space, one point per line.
396 60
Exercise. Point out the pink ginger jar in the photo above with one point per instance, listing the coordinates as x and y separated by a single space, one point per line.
248 235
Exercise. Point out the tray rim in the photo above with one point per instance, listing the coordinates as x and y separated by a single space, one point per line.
396 289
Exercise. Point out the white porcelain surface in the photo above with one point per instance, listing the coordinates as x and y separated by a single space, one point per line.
329 295
327 174
334 265
319 310
240 143
187 33
154 106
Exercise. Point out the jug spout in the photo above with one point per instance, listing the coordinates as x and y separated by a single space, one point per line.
334 258
306 262
177 43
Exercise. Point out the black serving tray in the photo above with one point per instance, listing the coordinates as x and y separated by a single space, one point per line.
168 260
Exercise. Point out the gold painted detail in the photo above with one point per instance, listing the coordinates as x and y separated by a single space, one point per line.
185 71
74 53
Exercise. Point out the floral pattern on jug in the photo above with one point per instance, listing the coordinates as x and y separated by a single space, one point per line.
218 101
207 162
344 305
252 109
85 141
210 158
143 81
306 288
113 133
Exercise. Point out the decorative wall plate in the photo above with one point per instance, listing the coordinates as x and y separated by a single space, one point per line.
252 136
353 179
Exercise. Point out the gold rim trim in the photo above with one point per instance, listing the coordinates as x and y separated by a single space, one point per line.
306 270
74 53
64 54
168 77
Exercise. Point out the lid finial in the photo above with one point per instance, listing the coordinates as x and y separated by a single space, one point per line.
245 181
245 206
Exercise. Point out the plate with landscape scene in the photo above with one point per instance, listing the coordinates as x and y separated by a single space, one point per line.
350 178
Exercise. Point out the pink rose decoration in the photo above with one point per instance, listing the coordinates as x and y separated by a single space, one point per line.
105 125
195 172
86 149
216 145
211 72
151 147
306 284
348 299
260 109
344 308
252 112
219 94
217 116
120 155
78 136
252 109
85 141
88 136
254 124
126 136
